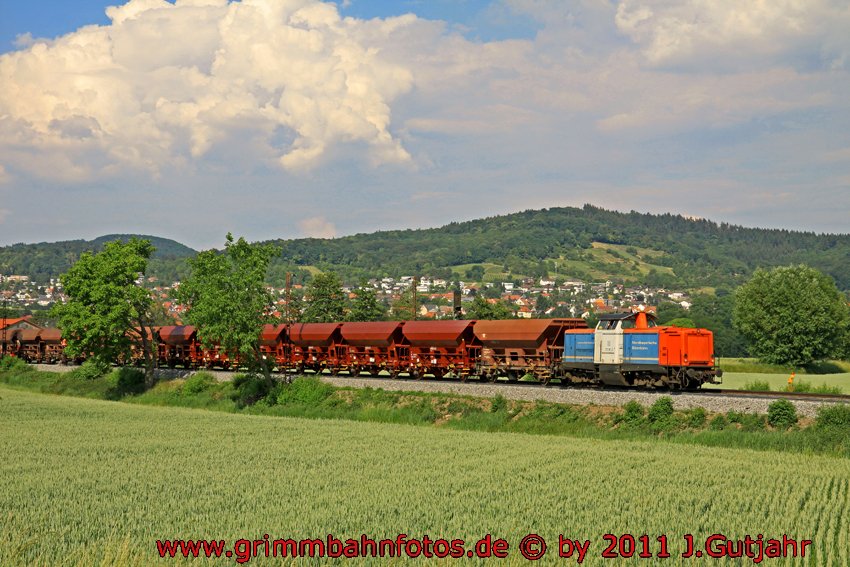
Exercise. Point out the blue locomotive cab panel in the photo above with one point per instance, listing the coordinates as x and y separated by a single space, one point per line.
640 348
578 347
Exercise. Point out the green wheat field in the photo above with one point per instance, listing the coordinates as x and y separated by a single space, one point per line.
86 482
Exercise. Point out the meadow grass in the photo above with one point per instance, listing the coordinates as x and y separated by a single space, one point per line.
754 366
87 482
839 383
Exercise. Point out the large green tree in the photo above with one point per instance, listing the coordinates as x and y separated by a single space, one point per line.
228 301
108 311
402 308
481 308
715 312
365 305
325 299
792 315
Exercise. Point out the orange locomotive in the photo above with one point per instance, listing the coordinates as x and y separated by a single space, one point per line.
629 349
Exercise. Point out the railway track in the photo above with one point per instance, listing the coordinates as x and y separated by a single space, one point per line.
803 396
716 392
713 400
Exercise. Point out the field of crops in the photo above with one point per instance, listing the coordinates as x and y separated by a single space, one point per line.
88 482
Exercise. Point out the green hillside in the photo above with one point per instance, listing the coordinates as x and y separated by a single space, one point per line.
46 260
586 243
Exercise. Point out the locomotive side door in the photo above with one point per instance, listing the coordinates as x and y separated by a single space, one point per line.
608 341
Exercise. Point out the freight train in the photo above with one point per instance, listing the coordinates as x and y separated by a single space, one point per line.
626 349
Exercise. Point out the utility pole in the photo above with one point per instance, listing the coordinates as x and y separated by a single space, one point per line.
5 315
413 295
288 298
287 349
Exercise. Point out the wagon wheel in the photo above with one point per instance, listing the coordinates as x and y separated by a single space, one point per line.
680 380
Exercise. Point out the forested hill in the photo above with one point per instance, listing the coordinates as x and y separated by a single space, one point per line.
586 243
47 260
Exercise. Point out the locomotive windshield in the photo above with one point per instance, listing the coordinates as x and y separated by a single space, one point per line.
626 321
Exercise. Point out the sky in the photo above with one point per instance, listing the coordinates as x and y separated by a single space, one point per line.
291 118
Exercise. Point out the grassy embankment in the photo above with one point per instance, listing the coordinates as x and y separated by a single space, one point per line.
312 398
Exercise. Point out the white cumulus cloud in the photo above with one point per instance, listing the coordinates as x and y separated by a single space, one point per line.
167 83
317 227
738 33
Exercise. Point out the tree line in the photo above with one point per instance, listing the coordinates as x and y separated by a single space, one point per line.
698 252
788 315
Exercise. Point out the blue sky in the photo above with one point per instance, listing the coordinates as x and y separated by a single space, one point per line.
47 18
289 118
51 18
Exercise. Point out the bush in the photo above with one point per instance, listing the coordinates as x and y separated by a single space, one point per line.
632 414
718 423
248 389
661 410
757 386
695 418
305 391
13 364
781 414
499 403
747 421
807 387
198 382
552 411
660 414
92 369
833 417
126 380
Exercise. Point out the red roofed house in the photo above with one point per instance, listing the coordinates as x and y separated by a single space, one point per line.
13 324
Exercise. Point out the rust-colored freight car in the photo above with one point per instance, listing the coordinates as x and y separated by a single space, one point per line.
439 348
513 348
